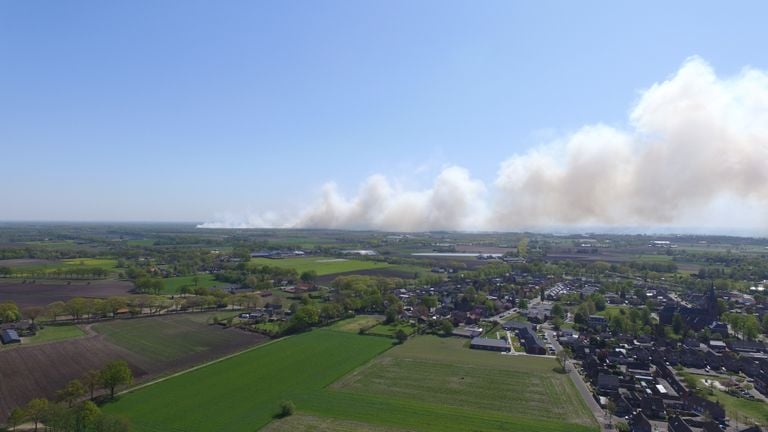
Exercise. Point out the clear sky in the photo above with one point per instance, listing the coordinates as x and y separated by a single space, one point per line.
188 110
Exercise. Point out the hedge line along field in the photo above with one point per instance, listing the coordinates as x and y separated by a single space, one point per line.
322 265
244 392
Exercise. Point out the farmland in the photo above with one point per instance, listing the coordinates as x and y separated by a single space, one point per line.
353 325
389 330
55 333
164 340
41 293
322 265
249 387
152 346
41 268
411 387
173 285
28 371
444 373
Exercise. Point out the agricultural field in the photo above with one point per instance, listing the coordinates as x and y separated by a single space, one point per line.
152 347
417 386
44 292
250 386
322 265
353 325
389 330
163 340
443 372
54 333
27 372
309 423
172 286
40 268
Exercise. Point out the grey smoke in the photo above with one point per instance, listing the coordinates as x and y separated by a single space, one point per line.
695 145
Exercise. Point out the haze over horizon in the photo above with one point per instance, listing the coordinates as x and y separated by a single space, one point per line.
396 117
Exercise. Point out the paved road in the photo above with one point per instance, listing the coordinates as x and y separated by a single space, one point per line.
580 384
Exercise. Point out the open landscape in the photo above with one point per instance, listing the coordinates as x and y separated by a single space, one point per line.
390 216
426 378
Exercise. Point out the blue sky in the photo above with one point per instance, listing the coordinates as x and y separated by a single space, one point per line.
183 110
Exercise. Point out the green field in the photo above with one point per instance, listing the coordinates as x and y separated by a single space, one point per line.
427 384
390 329
171 286
322 265
353 325
54 333
745 410
307 423
166 338
243 392
142 242
446 375
73 263
611 310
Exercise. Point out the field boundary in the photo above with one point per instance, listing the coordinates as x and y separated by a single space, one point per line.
200 366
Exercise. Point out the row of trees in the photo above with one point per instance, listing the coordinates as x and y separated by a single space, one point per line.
62 273
67 415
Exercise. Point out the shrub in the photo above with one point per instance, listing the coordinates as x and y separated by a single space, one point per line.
287 408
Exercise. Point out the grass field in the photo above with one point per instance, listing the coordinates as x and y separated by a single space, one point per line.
166 338
172 285
742 409
611 310
73 263
54 333
440 372
353 325
390 329
322 265
307 423
142 242
249 387
243 392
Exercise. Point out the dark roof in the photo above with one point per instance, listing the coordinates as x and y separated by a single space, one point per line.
10 336
515 325
676 424
607 381
496 343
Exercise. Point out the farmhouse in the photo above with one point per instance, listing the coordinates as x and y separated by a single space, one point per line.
9 336
490 344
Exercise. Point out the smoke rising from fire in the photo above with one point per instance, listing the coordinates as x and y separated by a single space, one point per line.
692 141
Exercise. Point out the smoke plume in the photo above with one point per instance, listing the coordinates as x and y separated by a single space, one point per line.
692 142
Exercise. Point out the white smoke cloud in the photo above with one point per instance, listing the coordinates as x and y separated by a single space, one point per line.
693 142
455 201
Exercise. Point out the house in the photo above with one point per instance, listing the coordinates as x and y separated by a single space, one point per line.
517 326
676 424
607 383
597 320
700 405
9 336
717 346
746 346
640 423
501 345
531 341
